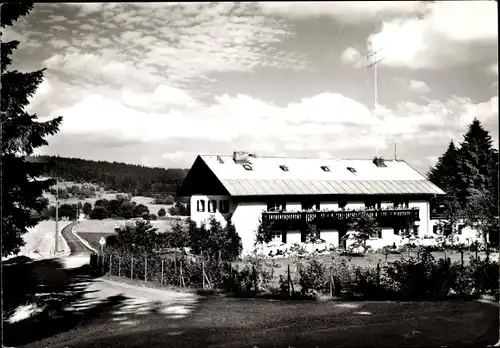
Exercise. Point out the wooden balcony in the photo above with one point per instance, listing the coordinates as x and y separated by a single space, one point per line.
392 218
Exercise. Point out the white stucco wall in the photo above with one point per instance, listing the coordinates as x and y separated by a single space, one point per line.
246 220
355 205
203 217
425 227
329 206
246 217
293 236
330 237
293 206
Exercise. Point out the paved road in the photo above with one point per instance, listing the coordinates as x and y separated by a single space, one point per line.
74 244
228 322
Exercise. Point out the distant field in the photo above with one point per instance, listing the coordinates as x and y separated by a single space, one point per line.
93 238
147 201
108 225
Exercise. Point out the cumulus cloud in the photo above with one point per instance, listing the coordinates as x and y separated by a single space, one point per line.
310 125
441 37
419 87
352 56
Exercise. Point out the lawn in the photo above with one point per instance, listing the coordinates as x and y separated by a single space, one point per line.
93 238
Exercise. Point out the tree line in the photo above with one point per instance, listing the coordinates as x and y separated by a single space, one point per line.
136 179
212 240
468 173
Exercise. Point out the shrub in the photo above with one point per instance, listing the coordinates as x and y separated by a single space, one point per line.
313 276
99 213
162 212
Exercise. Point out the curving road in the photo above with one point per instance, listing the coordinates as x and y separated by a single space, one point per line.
76 247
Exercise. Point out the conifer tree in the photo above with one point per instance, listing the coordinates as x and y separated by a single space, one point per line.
447 177
21 134
479 179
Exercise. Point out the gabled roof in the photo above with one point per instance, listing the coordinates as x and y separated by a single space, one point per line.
305 176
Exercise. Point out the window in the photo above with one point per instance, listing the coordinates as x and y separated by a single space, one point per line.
342 203
460 228
284 168
307 205
435 229
415 230
200 205
247 167
212 206
276 206
325 168
224 206
277 237
352 170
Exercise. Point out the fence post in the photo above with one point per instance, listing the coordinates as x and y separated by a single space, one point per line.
102 263
289 281
145 268
378 274
231 276
162 263
175 264
203 273
110 265
331 282
254 275
119 265
132 268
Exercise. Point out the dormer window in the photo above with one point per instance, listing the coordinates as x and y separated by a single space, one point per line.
325 168
247 167
284 168
352 170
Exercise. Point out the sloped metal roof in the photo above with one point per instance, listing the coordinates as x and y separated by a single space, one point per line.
261 187
305 177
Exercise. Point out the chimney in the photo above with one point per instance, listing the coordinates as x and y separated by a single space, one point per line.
379 162
240 156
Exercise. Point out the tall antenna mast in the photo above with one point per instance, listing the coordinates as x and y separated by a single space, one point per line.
374 60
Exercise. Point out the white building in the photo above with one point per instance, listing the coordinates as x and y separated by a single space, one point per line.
289 193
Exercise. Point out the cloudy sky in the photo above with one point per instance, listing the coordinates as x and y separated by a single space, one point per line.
156 84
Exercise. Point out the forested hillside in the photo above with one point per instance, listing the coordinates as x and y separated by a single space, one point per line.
122 177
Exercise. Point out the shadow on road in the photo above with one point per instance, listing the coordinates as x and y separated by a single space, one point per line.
67 308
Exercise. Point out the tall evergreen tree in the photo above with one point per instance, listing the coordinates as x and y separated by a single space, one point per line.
479 178
21 134
476 154
446 172
446 176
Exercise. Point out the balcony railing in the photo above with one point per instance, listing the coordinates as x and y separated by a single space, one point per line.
333 219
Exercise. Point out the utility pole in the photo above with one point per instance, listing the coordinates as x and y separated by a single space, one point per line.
57 220
372 58
395 156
